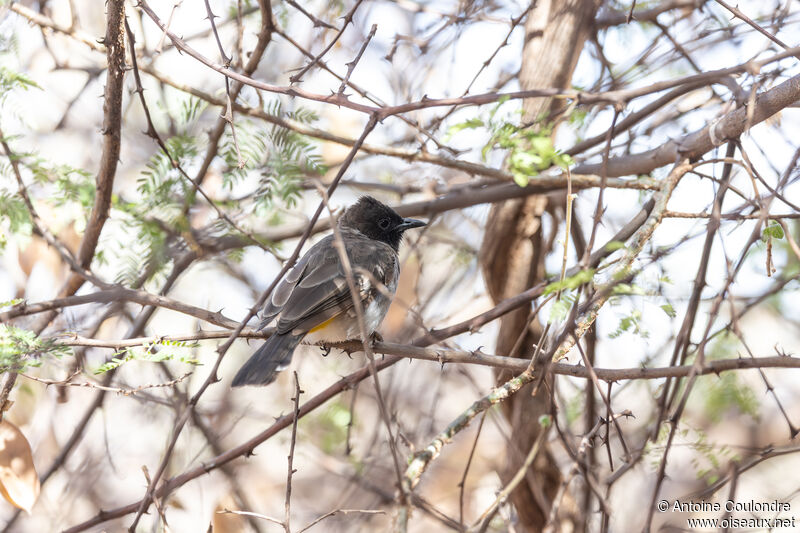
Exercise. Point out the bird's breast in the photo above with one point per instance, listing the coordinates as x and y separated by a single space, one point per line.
344 326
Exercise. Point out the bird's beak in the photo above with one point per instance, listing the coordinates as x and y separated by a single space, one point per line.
409 223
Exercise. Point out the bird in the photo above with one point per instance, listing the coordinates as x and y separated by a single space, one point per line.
313 300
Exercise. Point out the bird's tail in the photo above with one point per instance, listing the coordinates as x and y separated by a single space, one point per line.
263 366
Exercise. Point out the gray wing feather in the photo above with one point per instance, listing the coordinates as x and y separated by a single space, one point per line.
284 289
281 293
316 290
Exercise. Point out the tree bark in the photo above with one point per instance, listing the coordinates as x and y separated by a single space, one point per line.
514 247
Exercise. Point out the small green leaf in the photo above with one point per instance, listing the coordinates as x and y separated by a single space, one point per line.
669 310
563 160
21 348
773 231
525 161
628 289
558 311
543 145
571 282
561 307
630 323
521 179
470 124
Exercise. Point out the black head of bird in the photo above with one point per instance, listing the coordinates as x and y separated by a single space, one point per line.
377 221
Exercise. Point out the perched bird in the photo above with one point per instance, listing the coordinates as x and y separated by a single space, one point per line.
313 300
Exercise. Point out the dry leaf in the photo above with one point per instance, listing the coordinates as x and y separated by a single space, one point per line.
19 482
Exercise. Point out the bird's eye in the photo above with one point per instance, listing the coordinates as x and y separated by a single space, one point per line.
384 224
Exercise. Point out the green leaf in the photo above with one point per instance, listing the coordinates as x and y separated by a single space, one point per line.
773 231
115 362
628 289
150 353
21 348
13 209
563 160
614 246
542 145
10 80
561 307
571 282
669 310
470 124
632 324
521 179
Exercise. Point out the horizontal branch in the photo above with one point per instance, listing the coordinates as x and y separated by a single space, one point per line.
449 355
117 294
616 18
443 355
694 145
458 199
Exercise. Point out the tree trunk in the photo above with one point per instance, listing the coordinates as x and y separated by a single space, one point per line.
513 251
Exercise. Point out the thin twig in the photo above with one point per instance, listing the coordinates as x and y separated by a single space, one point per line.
98 386
290 458
462 485
351 66
340 511
252 514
